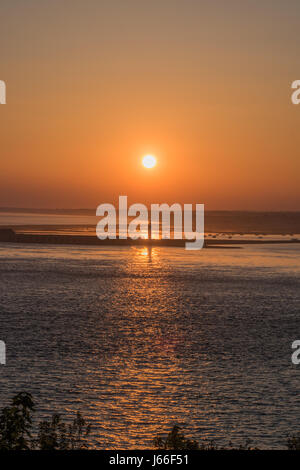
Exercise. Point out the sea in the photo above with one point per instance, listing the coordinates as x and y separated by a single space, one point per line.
139 339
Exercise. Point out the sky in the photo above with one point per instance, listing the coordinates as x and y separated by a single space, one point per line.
205 86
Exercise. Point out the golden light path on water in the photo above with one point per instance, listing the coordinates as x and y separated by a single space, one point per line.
139 339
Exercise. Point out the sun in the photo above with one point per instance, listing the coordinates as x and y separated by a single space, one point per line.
149 161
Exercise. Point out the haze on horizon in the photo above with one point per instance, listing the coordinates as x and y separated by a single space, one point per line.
92 86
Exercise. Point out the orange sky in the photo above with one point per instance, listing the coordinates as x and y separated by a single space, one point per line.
92 86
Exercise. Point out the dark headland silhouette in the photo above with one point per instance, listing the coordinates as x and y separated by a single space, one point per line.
10 236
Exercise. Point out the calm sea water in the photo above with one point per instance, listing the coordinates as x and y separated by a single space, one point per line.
140 339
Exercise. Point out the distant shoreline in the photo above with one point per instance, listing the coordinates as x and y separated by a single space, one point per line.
9 236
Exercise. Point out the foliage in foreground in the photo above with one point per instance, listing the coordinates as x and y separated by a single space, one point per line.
16 428
16 423
293 442
176 440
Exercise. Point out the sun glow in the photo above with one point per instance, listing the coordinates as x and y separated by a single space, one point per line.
149 161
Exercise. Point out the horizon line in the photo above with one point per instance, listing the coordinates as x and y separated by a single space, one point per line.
82 209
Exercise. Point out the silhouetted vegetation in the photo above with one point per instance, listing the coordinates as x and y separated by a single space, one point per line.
16 429
293 442
16 423
175 440
57 435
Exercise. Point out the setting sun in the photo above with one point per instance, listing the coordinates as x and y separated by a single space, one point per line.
149 161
